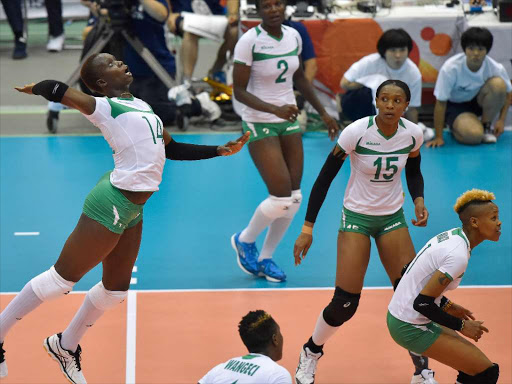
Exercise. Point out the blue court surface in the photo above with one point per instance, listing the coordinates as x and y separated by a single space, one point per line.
189 222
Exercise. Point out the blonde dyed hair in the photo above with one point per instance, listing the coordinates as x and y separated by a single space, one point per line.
260 320
474 195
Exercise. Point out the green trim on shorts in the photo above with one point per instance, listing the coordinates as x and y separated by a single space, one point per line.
109 207
368 225
262 130
413 337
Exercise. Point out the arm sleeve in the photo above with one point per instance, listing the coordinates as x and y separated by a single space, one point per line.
184 151
355 71
414 177
319 191
243 49
428 308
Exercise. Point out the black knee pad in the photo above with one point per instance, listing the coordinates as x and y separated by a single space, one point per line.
489 376
341 308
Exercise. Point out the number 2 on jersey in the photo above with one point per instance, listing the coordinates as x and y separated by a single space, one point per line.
282 64
389 167
159 130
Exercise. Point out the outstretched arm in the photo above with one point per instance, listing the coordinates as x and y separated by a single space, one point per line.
59 92
184 151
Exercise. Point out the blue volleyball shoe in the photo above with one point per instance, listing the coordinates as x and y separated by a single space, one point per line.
268 269
246 255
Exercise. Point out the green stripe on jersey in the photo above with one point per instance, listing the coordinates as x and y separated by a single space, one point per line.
119 109
370 122
458 232
367 151
258 31
256 56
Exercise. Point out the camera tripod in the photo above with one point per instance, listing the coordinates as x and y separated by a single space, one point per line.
106 31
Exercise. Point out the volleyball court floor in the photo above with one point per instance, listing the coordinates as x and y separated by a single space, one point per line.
188 294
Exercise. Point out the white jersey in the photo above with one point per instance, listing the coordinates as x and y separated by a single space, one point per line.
447 252
273 62
135 134
374 64
376 163
249 369
458 84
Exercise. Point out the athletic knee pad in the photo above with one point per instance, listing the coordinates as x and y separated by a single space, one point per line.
489 376
296 201
274 207
341 308
50 285
104 299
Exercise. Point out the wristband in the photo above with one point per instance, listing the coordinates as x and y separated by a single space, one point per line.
462 326
51 90
307 230
447 305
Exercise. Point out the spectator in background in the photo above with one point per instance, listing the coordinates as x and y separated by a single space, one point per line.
55 25
56 36
190 43
470 85
12 10
364 76
148 25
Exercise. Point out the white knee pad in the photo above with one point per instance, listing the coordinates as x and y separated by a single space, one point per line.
209 26
50 285
296 201
274 207
104 299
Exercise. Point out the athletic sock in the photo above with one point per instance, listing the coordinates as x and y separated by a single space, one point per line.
323 331
258 223
24 302
420 362
275 234
313 347
83 320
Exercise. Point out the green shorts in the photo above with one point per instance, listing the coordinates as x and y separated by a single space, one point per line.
413 337
375 226
109 207
261 130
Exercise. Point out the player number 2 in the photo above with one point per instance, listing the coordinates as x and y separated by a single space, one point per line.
282 64
389 167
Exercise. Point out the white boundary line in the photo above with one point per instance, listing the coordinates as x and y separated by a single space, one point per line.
265 289
26 233
131 336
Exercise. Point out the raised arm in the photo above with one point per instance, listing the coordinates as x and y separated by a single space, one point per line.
183 151
59 92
